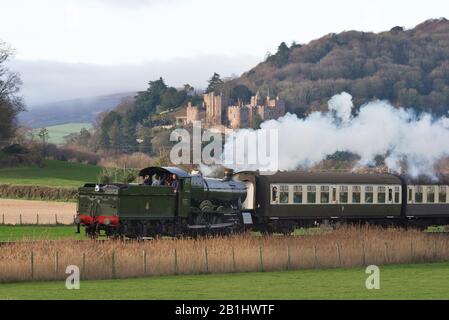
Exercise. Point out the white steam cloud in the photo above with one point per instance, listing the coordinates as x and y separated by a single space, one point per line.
378 129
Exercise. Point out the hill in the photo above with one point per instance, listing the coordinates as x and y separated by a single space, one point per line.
408 67
70 111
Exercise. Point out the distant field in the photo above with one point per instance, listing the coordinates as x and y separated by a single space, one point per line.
57 133
54 174
418 281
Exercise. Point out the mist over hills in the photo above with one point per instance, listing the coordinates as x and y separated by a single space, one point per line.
75 110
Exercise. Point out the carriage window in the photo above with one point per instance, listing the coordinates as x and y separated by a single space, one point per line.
356 194
442 194
324 194
311 194
381 194
369 194
430 194
297 194
274 194
343 194
397 195
418 194
283 194
410 194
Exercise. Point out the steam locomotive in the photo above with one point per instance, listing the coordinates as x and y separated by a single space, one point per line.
279 202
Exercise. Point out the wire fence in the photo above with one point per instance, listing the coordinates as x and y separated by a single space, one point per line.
36 219
47 260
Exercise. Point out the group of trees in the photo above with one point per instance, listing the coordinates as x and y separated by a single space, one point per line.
136 127
10 101
408 67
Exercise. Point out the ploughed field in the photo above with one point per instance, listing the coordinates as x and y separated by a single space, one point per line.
412 281
13 212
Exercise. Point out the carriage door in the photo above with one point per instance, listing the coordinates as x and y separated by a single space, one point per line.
334 198
274 194
390 194
184 197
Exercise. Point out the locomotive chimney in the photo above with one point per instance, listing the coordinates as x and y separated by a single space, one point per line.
228 173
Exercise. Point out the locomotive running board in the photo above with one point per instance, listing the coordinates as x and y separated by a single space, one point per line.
212 226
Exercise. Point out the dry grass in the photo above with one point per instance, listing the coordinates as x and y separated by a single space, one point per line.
345 247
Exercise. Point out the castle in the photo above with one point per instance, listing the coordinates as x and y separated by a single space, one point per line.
219 114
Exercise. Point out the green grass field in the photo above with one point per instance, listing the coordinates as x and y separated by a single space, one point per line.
54 174
16 233
57 133
419 281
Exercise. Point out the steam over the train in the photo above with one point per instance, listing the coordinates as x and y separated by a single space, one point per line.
269 203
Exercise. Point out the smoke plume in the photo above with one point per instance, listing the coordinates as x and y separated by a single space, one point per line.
398 135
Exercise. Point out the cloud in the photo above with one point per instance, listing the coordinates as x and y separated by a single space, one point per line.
49 81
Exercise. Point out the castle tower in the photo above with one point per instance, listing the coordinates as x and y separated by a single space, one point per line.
215 108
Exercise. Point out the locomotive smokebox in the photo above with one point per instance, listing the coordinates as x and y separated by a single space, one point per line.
228 173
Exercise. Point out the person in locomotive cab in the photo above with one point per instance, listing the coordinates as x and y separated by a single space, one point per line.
147 180
175 183
157 181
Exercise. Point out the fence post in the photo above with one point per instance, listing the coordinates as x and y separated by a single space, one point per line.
20 219
32 264
176 261
434 249
338 254
3 219
56 218
233 259
411 250
144 254
56 262
114 274
83 267
288 257
37 218
386 253
363 254
261 258
206 260
315 259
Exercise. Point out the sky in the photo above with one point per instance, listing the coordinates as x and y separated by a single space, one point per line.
77 48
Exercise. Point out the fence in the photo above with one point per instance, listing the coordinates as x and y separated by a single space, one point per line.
114 259
36 219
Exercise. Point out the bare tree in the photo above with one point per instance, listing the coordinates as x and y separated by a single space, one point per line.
11 102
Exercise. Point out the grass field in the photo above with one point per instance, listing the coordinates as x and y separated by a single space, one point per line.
15 233
419 281
54 174
57 133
